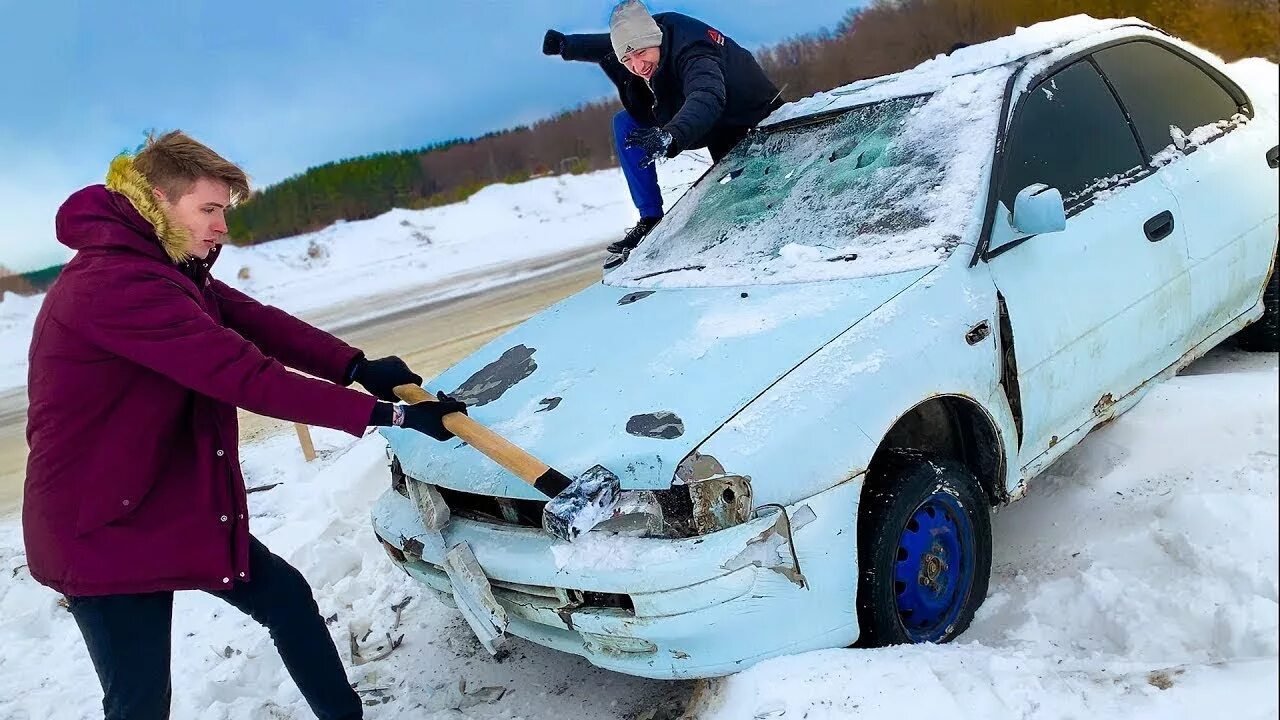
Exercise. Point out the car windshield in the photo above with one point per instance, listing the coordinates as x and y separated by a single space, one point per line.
884 187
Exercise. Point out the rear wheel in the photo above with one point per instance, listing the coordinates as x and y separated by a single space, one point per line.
1264 334
924 552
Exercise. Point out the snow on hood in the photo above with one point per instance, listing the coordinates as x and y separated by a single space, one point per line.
632 380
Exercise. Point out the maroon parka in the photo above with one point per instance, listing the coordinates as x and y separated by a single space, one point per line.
137 366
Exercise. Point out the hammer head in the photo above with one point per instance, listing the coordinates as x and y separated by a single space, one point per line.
588 501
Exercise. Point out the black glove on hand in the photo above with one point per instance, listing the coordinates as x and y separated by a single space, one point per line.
655 142
428 417
381 376
553 43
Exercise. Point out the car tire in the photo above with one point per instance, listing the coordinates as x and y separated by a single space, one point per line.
924 552
1264 334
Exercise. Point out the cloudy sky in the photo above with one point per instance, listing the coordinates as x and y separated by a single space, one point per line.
280 85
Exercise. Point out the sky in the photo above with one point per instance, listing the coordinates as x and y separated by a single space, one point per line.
281 85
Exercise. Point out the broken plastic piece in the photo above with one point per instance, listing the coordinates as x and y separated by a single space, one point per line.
431 505
474 597
377 651
456 697
774 548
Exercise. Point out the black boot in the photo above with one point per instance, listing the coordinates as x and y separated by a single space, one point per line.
633 236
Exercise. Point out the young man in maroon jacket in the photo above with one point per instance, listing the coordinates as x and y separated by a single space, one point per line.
138 361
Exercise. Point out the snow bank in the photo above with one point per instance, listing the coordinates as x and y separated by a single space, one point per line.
451 250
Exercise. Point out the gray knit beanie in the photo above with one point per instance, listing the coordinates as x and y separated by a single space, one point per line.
632 28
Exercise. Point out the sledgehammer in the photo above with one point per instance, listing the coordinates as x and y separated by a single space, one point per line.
575 506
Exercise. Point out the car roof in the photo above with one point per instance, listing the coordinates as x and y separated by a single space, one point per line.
1049 39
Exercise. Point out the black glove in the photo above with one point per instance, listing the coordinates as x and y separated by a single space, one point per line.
427 417
381 376
553 43
655 142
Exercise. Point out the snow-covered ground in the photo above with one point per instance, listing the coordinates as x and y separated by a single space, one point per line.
1137 580
412 256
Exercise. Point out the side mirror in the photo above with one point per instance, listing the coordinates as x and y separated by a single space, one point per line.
1039 209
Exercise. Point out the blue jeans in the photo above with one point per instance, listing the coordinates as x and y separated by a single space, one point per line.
642 181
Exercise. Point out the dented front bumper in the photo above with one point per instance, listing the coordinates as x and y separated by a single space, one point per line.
660 608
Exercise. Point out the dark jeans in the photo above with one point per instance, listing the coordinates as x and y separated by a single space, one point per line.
642 180
128 637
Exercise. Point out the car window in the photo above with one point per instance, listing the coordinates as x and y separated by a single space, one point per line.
1167 96
1070 134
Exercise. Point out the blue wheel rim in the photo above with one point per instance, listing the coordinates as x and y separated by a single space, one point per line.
933 569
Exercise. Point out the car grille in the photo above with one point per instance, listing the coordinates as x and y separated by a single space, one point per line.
485 508
509 511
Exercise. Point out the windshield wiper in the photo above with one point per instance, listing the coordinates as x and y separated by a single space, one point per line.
671 270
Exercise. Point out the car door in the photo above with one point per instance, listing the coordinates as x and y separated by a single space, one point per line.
1222 180
1098 308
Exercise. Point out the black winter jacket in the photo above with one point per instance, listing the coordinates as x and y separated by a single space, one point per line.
704 80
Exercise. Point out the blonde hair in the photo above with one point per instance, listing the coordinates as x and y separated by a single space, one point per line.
174 161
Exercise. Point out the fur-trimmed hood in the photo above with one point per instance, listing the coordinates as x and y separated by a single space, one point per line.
123 213
124 178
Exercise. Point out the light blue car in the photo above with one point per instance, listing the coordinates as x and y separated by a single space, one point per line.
876 320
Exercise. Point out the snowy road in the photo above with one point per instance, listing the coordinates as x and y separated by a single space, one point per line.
1137 580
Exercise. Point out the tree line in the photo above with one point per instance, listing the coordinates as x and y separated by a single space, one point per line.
884 36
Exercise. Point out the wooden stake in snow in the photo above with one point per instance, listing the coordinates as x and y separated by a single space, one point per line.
304 439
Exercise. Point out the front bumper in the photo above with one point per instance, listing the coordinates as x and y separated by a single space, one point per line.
694 607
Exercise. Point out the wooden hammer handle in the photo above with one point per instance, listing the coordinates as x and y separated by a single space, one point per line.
494 446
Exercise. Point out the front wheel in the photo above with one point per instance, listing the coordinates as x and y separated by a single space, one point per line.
924 552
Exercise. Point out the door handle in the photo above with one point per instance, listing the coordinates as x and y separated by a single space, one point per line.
1159 227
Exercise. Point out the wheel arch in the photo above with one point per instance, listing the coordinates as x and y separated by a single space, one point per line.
952 426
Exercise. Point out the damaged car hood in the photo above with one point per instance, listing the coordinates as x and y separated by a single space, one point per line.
632 379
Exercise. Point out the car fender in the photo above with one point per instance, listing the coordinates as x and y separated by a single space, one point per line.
821 424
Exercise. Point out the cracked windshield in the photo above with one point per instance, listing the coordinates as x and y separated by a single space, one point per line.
854 195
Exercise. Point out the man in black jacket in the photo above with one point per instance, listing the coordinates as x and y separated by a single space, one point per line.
683 85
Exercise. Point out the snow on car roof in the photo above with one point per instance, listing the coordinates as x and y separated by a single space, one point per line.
932 75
